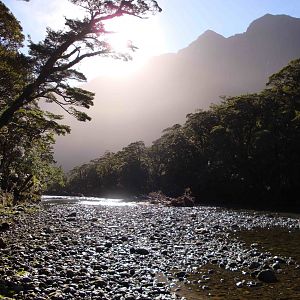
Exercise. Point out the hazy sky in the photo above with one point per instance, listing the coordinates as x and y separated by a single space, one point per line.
180 23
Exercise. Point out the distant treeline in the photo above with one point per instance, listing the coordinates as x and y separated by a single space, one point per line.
244 151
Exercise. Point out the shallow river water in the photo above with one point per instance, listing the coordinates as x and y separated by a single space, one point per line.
52 200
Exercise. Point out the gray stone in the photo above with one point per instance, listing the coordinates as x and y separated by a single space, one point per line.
73 214
276 266
4 226
2 244
180 274
141 251
267 276
254 265
99 282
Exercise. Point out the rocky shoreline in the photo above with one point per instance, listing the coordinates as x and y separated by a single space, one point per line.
132 252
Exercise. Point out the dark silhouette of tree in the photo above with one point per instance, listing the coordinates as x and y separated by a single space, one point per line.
53 60
133 172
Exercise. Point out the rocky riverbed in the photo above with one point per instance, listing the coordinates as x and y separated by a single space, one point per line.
145 252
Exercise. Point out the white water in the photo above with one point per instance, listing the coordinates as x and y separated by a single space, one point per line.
85 200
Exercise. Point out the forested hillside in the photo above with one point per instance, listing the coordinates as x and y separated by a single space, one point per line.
243 151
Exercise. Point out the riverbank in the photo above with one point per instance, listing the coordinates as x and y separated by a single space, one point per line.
146 252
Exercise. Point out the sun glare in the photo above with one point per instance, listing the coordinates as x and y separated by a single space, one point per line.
146 35
118 42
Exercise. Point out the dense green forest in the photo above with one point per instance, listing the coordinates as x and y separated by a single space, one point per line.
243 151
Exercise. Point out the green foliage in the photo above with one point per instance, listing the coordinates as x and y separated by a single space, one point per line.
14 66
11 35
133 171
123 172
26 159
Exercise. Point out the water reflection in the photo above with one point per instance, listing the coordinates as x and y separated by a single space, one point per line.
46 199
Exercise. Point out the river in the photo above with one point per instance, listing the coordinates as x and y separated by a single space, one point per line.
54 200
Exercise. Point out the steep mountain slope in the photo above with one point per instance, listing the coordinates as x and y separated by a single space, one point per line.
172 85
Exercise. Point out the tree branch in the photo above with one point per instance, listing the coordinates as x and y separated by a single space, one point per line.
77 60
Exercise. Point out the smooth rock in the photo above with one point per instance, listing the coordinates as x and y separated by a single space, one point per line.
267 276
141 251
4 226
2 244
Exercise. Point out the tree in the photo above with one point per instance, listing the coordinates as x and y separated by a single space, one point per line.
26 158
53 60
287 83
172 157
14 67
133 170
107 168
11 35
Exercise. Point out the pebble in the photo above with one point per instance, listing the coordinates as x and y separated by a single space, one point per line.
2 244
4 226
99 252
